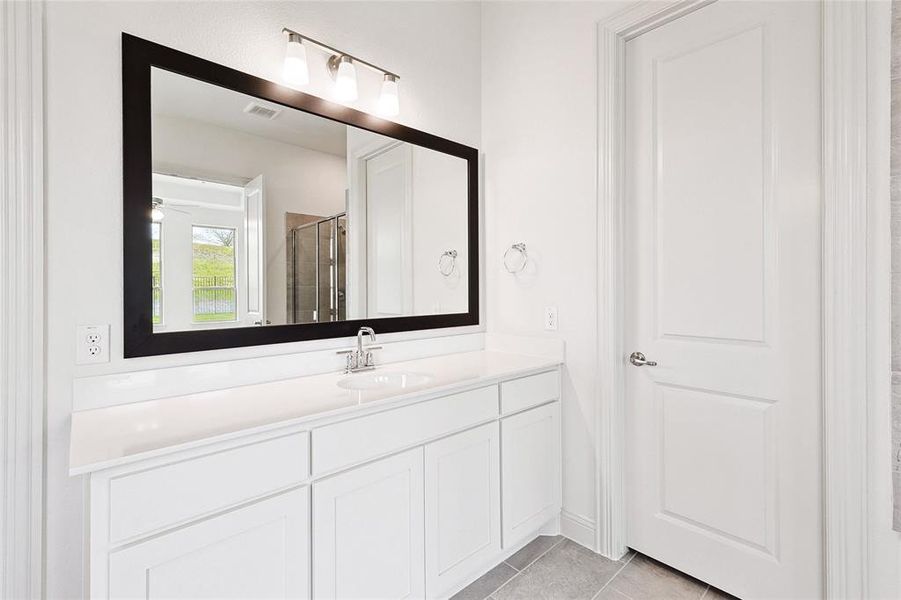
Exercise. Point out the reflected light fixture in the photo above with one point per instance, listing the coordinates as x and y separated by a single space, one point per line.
156 210
296 71
342 67
389 102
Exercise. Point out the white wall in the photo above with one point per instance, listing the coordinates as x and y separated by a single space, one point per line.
539 137
435 46
295 179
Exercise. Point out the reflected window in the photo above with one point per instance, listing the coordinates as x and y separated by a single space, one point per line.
214 286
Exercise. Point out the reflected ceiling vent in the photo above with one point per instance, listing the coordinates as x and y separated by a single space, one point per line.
258 110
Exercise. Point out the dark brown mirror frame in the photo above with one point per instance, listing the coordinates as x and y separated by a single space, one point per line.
138 56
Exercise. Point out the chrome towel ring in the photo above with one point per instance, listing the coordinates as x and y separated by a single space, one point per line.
515 258
447 262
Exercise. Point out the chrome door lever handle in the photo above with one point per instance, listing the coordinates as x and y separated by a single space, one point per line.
639 360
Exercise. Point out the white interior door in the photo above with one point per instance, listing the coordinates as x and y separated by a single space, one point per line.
255 236
723 292
389 236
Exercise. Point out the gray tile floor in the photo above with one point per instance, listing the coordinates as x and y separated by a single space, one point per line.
554 568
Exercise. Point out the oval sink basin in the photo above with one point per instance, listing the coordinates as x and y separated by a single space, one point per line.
385 380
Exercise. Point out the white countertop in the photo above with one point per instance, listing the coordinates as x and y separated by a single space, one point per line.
115 435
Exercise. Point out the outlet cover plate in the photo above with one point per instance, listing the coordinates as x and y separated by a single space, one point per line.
91 344
550 318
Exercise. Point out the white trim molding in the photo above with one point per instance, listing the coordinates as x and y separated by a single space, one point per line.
844 283
610 530
845 301
577 528
21 299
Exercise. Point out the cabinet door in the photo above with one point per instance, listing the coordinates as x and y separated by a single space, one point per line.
530 471
368 531
462 507
258 551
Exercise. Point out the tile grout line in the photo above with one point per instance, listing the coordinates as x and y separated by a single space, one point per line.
518 572
515 573
615 575
540 556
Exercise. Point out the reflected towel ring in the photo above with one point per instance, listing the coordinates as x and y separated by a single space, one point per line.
515 258
447 262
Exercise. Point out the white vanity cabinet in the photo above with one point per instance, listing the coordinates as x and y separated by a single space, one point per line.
257 551
368 528
463 509
531 457
407 499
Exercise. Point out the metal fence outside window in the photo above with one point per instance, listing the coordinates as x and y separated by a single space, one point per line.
215 299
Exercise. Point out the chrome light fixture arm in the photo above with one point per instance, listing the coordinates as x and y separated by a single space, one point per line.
339 53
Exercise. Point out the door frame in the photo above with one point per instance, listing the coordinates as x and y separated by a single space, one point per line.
22 310
846 338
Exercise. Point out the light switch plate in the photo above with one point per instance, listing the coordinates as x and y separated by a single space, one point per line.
550 318
91 344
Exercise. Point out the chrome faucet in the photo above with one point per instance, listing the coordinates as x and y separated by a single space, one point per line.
361 359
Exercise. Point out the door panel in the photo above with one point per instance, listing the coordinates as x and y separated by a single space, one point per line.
737 502
723 292
389 213
710 211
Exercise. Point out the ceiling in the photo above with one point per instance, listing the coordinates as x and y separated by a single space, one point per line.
174 95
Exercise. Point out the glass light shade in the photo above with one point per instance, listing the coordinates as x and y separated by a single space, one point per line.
296 71
156 214
346 81
389 100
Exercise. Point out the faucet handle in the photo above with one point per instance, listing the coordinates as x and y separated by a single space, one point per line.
352 362
367 358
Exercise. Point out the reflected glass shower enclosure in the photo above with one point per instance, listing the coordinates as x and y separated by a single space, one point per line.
318 281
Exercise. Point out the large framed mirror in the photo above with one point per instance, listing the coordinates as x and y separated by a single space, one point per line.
257 214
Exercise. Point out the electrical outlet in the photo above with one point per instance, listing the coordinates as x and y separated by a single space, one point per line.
550 318
91 344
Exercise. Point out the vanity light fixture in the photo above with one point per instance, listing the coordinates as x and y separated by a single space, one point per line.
389 103
296 71
342 67
345 75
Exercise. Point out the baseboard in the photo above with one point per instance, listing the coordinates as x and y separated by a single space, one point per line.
578 529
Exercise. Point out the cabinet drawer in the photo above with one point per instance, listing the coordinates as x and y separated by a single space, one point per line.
529 391
147 501
364 438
